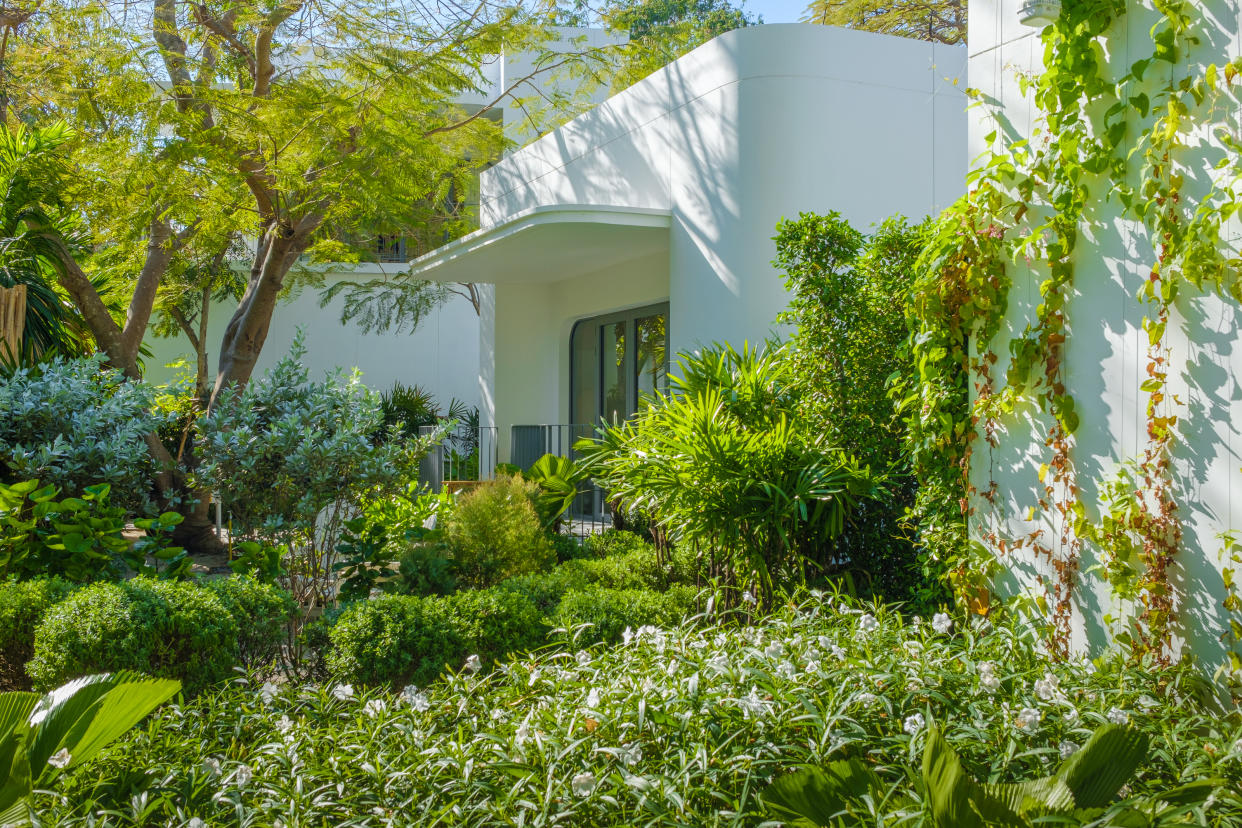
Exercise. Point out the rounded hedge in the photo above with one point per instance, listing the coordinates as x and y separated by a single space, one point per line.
494 533
162 628
403 639
610 611
22 606
262 612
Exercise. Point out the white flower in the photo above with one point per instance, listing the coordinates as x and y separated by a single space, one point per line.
627 636
748 597
867 624
375 707
523 732
583 784
1118 716
285 724
344 692
942 623
1067 749
914 723
838 653
472 665
1070 715
1028 717
592 699
60 758
243 775
630 754
1046 687
211 767
692 685
825 642
195 822
812 666
866 699
988 679
268 692
719 663
415 698
752 704
583 657
786 670
773 650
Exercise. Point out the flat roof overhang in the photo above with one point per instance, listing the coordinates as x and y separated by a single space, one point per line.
547 244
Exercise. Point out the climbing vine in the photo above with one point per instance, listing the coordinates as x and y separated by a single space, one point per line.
1104 133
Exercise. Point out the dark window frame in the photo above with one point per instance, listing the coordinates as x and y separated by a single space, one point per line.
630 317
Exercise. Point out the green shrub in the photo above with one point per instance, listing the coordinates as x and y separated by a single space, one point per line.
635 569
568 548
613 542
398 640
394 640
611 611
424 569
162 628
545 589
22 606
494 533
262 612
494 622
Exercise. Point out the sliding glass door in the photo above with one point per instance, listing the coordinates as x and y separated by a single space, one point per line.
614 360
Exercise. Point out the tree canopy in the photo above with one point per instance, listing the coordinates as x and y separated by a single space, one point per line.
942 21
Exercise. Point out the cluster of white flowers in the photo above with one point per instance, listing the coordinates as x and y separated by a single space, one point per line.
472 665
375 707
343 692
867 624
1118 716
583 784
988 680
913 723
942 623
1027 718
268 692
753 705
1048 687
415 698
1067 749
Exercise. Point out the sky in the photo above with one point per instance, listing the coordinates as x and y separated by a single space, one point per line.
777 11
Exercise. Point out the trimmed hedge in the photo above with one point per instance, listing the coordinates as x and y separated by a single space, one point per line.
162 628
262 612
22 605
398 640
610 611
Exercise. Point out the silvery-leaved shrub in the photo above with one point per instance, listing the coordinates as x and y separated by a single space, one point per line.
75 423
292 458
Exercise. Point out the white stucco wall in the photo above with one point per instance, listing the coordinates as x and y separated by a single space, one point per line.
759 124
442 355
1107 351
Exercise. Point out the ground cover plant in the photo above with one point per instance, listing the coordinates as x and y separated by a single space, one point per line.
684 725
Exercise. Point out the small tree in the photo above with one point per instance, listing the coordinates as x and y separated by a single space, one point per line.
941 21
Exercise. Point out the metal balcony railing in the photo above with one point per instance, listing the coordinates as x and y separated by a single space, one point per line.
467 453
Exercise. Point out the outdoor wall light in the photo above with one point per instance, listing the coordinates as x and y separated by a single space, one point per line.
1039 13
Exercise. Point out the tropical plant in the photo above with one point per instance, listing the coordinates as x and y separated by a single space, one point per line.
34 177
43 736
722 463
560 481
495 533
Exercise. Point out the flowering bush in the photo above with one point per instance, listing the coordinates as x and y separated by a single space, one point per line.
677 726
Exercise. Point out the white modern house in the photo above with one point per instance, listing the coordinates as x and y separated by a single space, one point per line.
644 227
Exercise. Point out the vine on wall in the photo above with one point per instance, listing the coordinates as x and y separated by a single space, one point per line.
1105 133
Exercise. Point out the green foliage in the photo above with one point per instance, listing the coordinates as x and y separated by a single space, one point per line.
79 538
849 298
35 177
494 623
393 640
684 725
22 606
940 21
262 612
613 542
75 423
425 569
42 737
295 456
546 589
724 463
495 533
262 561
609 613
560 481
162 628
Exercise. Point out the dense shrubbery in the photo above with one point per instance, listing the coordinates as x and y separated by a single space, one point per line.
495 533
849 298
22 605
596 614
262 612
162 628
398 640
75 423
723 463
294 458
680 726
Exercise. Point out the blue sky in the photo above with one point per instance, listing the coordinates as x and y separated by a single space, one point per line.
777 11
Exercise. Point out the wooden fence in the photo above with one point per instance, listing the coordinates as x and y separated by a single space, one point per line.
12 321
